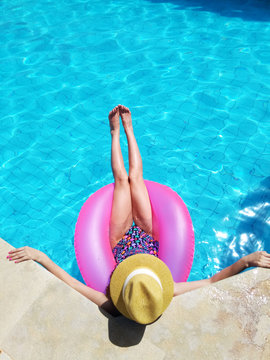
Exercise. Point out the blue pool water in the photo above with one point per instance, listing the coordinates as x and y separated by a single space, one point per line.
196 76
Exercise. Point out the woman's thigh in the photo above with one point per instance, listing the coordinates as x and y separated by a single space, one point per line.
141 206
121 215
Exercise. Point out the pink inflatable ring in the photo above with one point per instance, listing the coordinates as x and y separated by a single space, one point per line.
171 221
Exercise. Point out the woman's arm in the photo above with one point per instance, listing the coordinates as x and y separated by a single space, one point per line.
258 258
28 253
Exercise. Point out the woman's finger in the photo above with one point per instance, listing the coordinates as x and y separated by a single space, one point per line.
265 263
17 256
16 253
24 258
16 250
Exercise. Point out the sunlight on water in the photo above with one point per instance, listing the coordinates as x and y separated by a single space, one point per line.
196 77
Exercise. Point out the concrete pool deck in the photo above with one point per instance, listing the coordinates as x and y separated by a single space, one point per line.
43 318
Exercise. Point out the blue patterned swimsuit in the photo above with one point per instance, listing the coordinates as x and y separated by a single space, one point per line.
135 241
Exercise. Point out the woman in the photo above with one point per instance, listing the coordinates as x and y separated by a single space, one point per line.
141 285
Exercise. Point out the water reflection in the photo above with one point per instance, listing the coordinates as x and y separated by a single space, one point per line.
253 231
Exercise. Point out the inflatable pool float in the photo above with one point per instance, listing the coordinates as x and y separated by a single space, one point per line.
171 221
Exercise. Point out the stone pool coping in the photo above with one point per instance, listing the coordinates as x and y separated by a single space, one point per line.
43 318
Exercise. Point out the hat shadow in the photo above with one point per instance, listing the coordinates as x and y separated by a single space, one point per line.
123 332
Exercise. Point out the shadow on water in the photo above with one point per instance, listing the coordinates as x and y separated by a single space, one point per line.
253 231
250 10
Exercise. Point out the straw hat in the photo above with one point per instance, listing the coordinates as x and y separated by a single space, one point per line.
141 288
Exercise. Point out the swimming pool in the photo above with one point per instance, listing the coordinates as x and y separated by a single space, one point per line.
195 75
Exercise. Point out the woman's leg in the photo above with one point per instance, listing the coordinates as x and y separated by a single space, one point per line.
121 215
141 207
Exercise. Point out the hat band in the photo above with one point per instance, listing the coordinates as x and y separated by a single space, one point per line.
140 271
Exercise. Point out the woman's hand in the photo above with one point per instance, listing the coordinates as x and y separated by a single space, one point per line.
23 254
258 258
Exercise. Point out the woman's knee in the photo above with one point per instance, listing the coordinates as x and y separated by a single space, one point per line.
135 177
121 178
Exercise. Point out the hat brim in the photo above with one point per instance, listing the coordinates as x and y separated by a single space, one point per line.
134 262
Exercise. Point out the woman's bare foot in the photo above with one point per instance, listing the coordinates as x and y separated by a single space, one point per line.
114 119
126 116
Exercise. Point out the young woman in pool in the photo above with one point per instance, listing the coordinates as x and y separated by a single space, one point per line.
141 295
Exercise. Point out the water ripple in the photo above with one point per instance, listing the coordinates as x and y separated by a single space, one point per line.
196 78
